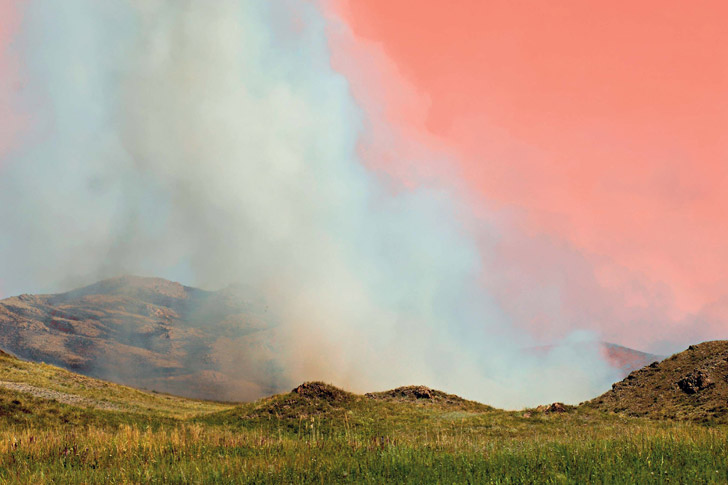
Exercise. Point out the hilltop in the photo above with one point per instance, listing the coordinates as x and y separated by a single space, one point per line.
690 385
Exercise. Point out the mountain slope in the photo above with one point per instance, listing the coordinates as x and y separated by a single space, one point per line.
689 385
149 333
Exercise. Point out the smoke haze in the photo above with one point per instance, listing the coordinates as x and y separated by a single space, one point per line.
213 144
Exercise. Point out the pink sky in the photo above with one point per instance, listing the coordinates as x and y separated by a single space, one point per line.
11 122
599 128
592 135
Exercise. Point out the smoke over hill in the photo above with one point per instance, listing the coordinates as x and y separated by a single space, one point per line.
156 334
212 143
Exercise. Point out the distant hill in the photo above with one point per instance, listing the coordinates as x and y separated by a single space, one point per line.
691 385
623 359
626 359
150 333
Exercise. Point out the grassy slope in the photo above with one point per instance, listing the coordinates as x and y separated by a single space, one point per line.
323 434
63 385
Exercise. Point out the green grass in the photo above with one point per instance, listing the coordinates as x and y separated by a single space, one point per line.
339 438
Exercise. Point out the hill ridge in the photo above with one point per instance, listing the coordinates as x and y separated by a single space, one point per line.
152 333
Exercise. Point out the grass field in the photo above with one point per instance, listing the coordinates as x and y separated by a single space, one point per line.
325 435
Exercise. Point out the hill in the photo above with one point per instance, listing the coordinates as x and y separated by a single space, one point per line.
626 359
623 359
690 385
150 333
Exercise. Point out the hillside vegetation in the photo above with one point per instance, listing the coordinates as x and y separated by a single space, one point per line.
65 428
691 385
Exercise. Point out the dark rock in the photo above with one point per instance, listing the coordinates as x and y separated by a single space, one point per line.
557 407
322 391
422 392
694 382
409 393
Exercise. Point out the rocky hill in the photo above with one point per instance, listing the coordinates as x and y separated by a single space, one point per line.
691 385
149 333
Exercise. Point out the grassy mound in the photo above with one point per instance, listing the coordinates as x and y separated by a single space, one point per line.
422 395
320 391
307 400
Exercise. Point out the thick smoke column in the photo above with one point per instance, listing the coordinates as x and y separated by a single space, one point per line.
211 142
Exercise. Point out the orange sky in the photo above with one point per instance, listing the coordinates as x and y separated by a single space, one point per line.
602 126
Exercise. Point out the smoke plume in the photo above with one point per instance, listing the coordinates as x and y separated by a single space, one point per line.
213 144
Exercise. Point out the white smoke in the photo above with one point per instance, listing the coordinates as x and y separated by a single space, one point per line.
211 142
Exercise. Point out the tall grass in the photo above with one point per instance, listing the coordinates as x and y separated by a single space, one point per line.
195 453
297 438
